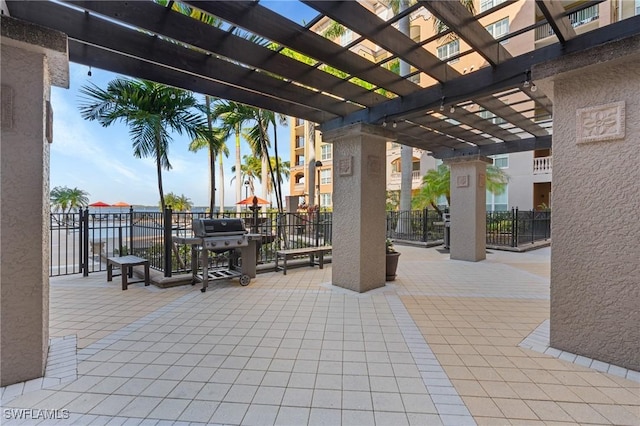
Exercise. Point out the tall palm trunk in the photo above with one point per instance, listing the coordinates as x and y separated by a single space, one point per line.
212 161
159 169
238 171
221 168
406 152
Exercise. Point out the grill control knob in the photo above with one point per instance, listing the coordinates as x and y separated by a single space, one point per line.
213 243
226 243
239 242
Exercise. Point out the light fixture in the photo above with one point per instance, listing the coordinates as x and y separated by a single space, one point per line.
89 72
442 104
384 123
534 87
452 109
395 124
526 84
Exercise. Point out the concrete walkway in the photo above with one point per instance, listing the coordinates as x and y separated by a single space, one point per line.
448 342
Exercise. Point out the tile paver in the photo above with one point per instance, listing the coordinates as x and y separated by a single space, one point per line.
446 343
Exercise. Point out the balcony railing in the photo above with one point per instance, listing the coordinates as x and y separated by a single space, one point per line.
415 176
542 165
577 19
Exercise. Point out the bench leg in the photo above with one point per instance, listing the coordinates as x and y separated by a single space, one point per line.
284 265
277 257
321 259
146 273
124 274
109 271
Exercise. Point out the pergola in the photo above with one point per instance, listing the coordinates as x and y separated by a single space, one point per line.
591 78
153 41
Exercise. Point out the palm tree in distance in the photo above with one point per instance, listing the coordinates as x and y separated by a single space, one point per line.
177 203
250 171
234 117
64 199
436 183
211 138
151 110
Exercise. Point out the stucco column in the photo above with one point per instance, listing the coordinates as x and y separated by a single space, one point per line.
595 257
468 208
32 58
359 217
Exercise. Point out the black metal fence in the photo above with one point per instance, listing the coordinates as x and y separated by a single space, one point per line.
81 242
417 225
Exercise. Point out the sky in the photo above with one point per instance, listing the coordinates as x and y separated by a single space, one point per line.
100 161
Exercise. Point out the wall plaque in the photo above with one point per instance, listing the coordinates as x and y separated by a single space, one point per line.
462 181
600 123
374 165
345 166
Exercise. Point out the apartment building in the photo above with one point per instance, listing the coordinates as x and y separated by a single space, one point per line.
530 172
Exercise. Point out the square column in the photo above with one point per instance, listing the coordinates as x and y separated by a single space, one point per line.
595 273
32 59
468 208
359 216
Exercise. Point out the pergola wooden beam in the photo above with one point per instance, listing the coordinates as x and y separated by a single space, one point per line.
555 15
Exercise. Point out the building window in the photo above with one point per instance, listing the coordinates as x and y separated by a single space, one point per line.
395 166
501 161
325 200
498 203
637 7
346 37
325 176
488 115
488 4
325 152
299 160
448 50
299 121
499 29
299 141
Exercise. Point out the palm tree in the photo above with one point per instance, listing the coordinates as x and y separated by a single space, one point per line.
177 203
250 170
234 116
66 199
213 140
151 110
436 183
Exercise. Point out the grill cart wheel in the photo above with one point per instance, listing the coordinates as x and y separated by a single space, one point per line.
203 290
245 280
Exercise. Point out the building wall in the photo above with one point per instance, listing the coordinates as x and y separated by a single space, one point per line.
24 317
520 183
595 267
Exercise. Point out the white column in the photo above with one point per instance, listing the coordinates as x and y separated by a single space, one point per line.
359 217
28 70
468 208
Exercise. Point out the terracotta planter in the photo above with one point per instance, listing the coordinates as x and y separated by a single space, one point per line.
392 265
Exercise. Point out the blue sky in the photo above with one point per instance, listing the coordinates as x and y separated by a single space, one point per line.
100 161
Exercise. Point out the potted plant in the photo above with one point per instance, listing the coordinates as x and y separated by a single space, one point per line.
392 260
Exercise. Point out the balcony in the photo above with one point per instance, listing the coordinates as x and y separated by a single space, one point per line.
542 165
577 19
396 177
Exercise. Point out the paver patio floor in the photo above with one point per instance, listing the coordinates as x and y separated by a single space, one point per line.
440 345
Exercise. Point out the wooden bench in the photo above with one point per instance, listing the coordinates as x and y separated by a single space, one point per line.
311 251
126 264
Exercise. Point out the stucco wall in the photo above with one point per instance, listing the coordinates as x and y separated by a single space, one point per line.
595 263
520 173
24 155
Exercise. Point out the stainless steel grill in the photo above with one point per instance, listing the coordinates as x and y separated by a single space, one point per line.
220 234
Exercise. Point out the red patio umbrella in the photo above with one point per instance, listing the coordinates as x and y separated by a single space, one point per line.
249 201
99 204
121 204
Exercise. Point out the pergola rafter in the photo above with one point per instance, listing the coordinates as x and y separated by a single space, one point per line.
324 82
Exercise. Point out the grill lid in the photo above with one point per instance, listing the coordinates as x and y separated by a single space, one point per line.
218 227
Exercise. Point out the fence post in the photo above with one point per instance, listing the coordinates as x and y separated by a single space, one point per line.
514 227
168 225
533 222
425 225
130 249
84 226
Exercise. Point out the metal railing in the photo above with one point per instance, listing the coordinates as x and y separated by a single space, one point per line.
81 242
581 17
417 225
